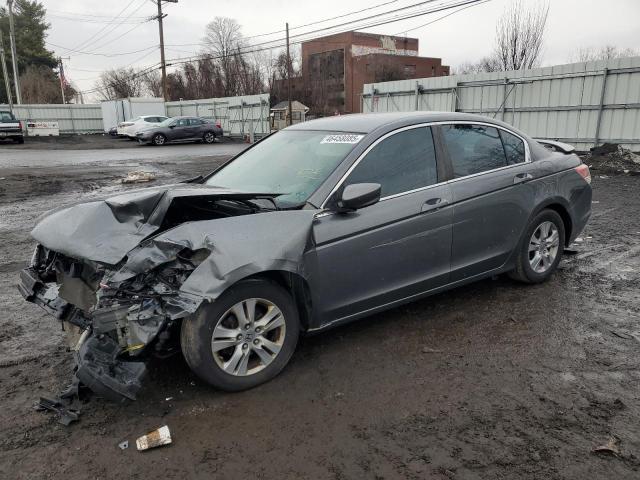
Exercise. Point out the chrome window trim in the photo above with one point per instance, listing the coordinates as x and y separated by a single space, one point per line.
527 155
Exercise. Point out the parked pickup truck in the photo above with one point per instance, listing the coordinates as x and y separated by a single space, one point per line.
10 127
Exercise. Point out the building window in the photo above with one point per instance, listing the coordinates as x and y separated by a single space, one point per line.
409 70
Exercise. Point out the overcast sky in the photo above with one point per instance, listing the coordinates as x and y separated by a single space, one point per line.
464 36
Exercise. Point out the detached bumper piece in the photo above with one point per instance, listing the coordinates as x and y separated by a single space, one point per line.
100 370
44 295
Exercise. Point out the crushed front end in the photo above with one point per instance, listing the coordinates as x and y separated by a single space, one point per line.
119 325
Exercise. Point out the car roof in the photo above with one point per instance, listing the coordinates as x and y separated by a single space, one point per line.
368 122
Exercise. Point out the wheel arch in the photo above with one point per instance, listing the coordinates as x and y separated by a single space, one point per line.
293 283
559 206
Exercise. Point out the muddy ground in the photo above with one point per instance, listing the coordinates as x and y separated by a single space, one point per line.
493 380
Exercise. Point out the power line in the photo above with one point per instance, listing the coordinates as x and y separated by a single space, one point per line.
372 23
79 52
114 28
88 40
129 21
120 36
442 17
323 21
60 12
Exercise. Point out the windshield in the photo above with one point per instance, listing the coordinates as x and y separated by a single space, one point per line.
6 117
290 162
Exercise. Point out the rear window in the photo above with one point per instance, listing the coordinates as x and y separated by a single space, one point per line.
6 117
513 148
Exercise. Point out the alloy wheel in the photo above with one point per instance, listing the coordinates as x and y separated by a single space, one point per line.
543 247
248 337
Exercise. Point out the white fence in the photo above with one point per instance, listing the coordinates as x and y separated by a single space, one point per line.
239 116
71 118
585 104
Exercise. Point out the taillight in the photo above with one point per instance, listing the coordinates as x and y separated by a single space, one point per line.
20 124
583 171
218 124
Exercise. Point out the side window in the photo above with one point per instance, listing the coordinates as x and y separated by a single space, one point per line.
195 121
513 148
473 148
402 162
183 122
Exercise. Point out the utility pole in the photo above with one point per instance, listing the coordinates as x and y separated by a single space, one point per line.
289 119
62 78
7 85
14 55
162 61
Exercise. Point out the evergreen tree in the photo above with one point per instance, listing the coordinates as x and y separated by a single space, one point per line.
31 30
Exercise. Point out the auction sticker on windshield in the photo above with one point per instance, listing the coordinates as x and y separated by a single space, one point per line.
342 138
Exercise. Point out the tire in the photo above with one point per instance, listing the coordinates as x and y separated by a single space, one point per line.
19 140
526 269
215 324
159 139
209 137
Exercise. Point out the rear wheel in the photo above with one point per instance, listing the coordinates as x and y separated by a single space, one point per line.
244 338
159 139
209 137
19 140
541 248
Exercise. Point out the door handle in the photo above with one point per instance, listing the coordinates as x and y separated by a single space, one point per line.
434 204
522 177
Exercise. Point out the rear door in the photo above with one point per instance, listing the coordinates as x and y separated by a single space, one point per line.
492 200
393 249
181 129
197 127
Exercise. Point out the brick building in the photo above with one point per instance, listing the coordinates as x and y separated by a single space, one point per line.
335 68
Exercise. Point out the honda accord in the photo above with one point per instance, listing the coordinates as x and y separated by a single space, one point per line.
315 226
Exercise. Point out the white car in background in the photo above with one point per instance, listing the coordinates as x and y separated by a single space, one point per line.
131 127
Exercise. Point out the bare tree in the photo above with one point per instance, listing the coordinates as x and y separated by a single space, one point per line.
223 38
519 36
590 54
486 64
120 83
153 83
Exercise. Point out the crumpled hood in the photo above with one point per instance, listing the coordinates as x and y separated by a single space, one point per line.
106 230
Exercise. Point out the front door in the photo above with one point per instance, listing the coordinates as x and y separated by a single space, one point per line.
394 249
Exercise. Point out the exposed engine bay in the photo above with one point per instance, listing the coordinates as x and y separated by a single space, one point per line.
126 311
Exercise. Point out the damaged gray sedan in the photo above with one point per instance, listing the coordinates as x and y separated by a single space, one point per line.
319 224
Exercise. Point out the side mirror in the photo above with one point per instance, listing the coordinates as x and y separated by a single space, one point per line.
173 125
359 195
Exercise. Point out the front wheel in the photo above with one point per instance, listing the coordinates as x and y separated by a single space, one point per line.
159 139
244 338
541 248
